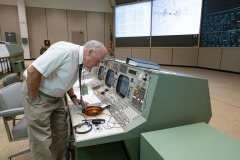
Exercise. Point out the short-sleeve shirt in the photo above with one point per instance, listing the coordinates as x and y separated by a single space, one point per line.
59 68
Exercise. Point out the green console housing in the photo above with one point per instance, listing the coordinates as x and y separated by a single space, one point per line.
191 142
161 99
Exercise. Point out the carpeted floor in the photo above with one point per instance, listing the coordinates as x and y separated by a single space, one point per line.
225 100
7 148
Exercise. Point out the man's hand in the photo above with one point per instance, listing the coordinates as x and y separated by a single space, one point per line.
78 103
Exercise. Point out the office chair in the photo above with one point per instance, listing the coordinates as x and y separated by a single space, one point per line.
10 107
9 80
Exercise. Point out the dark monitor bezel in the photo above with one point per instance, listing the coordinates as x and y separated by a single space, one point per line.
119 86
107 78
100 71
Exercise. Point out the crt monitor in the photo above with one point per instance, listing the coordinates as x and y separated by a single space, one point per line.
109 78
101 73
122 86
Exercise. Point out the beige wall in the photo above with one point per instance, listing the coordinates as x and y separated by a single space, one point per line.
185 56
9 22
226 59
77 23
141 53
55 25
230 59
161 55
210 57
83 5
37 29
122 53
95 26
57 29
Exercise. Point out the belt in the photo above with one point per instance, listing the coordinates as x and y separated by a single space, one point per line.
46 95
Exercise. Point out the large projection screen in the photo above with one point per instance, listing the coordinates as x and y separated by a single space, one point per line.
132 24
176 23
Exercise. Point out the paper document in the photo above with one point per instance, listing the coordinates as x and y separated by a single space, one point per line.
92 100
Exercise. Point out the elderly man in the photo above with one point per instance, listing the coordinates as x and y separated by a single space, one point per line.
48 78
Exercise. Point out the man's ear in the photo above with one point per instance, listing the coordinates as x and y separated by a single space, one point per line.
90 51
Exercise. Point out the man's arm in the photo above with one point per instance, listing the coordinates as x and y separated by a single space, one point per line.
74 99
33 82
70 92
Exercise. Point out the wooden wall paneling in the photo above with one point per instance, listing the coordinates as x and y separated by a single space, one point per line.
9 21
37 29
185 56
77 26
209 57
161 55
141 53
231 59
95 26
122 53
57 25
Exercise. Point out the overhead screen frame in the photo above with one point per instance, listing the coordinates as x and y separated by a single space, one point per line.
183 40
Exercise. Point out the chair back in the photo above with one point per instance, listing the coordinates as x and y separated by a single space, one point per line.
10 96
9 80
10 107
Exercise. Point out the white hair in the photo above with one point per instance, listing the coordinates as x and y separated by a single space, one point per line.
95 46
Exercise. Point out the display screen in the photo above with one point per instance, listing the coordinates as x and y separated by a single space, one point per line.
220 23
122 86
133 20
109 78
171 17
101 73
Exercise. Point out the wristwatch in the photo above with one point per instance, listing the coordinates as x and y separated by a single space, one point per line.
73 96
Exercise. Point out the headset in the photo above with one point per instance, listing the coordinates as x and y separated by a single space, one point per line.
80 125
